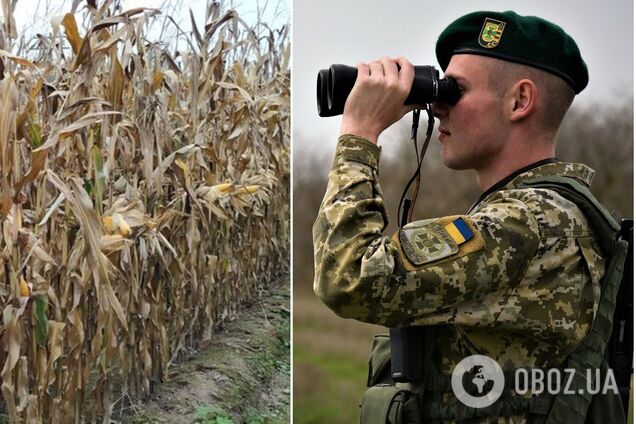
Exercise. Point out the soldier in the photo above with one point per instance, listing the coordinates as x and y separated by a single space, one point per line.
518 277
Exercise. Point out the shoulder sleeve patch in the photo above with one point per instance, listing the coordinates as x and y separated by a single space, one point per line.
434 239
427 243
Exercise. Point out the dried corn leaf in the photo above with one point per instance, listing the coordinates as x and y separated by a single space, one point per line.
84 53
232 86
157 80
56 204
55 347
17 59
32 244
116 85
72 33
75 107
38 160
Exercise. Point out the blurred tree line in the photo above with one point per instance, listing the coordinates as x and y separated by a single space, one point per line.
600 137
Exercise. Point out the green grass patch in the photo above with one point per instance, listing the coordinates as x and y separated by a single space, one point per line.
207 414
338 366
328 387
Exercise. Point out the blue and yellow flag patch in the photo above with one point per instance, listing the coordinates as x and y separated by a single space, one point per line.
432 240
459 231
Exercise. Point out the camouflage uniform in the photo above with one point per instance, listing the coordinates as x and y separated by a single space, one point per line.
523 289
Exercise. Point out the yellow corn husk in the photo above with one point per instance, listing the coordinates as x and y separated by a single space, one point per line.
107 220
251 188
116 223
122 225
224 187
25 290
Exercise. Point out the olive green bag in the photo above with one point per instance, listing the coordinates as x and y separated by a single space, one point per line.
383 402
387 404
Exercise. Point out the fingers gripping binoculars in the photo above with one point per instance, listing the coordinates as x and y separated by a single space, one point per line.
335 84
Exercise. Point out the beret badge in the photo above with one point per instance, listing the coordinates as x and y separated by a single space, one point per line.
491 33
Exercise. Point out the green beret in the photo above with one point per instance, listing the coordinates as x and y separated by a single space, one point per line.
528 40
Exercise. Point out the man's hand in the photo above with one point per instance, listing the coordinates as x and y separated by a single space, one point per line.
377 98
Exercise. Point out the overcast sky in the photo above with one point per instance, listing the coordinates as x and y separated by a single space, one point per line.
35 15
351 31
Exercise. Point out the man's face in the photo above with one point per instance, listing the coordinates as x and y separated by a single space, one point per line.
474 130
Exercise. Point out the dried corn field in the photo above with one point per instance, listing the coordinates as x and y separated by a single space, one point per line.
143 198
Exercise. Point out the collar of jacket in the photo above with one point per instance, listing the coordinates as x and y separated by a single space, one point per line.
552 166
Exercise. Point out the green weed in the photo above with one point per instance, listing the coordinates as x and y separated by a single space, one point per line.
207 414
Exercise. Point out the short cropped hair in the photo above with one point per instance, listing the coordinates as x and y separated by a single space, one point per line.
556 95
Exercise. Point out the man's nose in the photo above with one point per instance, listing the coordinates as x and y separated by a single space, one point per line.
440 110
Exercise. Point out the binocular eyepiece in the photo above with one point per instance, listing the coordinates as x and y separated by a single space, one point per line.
335 84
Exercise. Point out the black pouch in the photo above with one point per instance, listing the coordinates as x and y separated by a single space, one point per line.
386 404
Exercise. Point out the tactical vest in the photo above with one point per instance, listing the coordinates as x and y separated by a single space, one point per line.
413 403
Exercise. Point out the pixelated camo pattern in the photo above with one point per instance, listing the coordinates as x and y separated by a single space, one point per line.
524 292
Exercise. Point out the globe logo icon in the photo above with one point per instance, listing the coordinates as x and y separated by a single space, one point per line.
477 381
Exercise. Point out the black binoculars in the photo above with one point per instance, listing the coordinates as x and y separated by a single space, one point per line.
335 84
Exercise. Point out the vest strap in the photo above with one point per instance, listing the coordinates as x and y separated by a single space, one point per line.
504 407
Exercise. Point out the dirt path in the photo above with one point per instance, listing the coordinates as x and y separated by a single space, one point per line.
241 377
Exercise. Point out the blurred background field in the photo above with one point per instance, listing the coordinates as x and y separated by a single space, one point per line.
329 361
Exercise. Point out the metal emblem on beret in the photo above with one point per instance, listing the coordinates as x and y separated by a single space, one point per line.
491 33
427 244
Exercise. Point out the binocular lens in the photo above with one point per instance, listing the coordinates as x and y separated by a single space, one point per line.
335 84
447 91
341 81
322 87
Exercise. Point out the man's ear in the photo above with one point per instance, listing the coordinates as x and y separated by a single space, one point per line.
524 99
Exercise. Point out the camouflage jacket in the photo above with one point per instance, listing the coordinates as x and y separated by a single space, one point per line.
516 279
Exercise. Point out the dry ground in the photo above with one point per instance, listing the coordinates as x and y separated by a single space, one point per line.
242 376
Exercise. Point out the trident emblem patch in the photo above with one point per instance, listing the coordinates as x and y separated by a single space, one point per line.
427 243
491 33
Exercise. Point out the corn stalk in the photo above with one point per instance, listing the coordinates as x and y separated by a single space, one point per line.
143 199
